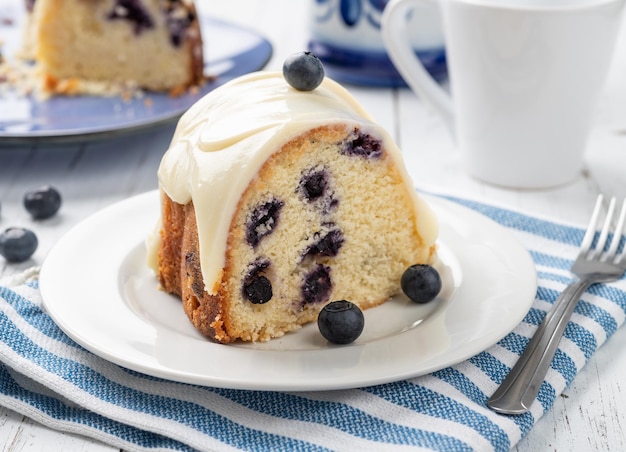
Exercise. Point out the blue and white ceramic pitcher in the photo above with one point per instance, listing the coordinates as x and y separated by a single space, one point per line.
345 35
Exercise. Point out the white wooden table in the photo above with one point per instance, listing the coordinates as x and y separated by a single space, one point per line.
591 414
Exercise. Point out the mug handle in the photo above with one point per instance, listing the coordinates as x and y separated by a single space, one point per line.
396 40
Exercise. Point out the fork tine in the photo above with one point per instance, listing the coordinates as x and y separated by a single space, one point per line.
604 233
585 245
617 234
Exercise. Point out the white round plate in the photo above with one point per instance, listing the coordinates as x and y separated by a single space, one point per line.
97 287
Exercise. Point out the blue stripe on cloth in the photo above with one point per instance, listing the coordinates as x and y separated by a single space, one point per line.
55 409
514 342
555 277
487 362
565 365
35 317
426 401
599 316
548 260
583 338
561 362
339 416
610 293
570 235
546 294
515 220
185 413
461 383
596 313
534 316
546 396
497 371
494 369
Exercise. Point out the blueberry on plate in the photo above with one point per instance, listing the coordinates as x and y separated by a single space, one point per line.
341 322
42 202
17 244
421 283
303 71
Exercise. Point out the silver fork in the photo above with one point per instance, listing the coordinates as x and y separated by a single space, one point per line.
593 265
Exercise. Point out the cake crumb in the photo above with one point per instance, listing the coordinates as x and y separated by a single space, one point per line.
177 91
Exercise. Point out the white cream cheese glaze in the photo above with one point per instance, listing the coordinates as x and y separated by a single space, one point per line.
221 142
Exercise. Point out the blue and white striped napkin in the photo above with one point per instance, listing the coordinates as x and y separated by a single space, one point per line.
46 376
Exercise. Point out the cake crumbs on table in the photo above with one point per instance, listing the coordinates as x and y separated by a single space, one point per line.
21 77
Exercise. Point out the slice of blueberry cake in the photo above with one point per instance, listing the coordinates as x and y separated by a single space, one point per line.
276 202
99 45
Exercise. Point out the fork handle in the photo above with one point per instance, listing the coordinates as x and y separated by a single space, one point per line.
520 388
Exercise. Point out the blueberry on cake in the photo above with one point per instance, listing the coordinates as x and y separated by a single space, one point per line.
91 45
275 202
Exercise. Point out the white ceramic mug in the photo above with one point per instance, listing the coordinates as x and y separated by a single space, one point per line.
525 76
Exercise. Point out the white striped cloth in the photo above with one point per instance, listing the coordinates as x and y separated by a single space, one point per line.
48 377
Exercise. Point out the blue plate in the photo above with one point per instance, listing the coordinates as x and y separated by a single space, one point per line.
230 51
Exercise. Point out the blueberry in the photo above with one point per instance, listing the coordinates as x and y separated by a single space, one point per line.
177 28
317 285
341 322
326 243
43 202
313 184
303 71
17 244
133 11
257 288
178 23
421 283
362 145
192 264
262 221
